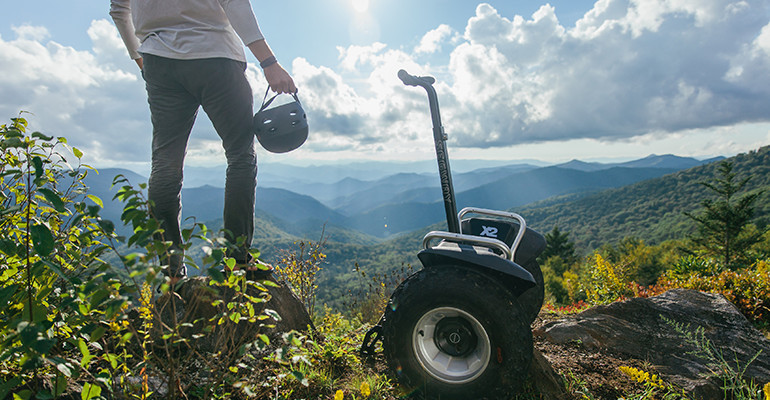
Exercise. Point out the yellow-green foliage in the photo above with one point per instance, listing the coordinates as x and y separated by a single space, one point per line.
748 288
367 302
606 282
653 386
333 368
298 268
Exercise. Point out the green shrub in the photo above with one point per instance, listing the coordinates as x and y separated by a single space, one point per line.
747 288
72 321
606 282
58 295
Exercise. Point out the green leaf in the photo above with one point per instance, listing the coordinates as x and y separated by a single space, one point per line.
98 333
125 338
93 211
113 307
300 377
12 142
39 135
13 132
65 369
54 199
27 332
6 292
77 153
98 297
6 387
83 348
61 385
42 239
235 317
10 210
23 395
90 391
107 225
56 269
216 275
37 162
113 359
43 346
96 200
273 314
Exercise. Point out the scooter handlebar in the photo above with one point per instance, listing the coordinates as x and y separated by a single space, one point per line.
411 80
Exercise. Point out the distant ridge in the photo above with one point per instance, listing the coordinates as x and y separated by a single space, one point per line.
653 209
669 161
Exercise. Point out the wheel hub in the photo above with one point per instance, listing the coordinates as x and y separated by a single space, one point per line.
451 345
455 336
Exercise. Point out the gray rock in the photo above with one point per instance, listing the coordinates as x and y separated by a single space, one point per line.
637 328
192 305
546 382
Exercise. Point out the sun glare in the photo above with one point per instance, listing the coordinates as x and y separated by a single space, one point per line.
360 5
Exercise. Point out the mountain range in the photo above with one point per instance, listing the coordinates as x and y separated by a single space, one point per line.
397 203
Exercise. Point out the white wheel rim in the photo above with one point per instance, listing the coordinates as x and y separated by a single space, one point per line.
438 363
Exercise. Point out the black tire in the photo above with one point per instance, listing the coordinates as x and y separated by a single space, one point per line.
532 300
454 333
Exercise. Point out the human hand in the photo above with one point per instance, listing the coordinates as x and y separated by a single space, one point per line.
279 80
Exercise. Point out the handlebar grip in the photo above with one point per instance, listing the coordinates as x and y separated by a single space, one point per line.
411 80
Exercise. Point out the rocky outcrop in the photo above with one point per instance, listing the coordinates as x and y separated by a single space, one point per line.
651 329
194 304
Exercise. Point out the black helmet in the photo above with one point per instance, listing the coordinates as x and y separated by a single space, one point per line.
280 129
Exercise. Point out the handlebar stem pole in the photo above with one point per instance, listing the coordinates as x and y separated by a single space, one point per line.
442 157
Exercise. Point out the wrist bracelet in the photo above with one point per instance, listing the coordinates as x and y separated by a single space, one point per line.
268 62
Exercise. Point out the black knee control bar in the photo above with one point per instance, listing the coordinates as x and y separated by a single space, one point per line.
371 338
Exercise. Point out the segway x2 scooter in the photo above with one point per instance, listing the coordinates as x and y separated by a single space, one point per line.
460 327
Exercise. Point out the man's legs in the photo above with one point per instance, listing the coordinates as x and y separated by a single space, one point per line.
173 111
228 101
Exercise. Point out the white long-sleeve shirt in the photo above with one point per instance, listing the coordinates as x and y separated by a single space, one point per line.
186 29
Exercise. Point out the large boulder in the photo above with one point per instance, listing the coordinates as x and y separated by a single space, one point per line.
649 329
194 305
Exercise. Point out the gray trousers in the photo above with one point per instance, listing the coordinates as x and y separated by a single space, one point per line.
175 91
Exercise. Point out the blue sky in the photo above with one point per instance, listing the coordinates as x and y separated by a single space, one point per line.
611 79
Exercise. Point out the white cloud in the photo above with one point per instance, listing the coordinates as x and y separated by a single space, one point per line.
762 43
33 33
89 97
431 42
627 69
354 56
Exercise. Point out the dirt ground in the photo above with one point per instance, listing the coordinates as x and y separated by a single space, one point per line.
585 370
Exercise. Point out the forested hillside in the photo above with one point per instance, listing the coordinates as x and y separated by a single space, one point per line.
652 210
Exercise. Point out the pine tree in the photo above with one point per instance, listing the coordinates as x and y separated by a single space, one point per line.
722 224
558 244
